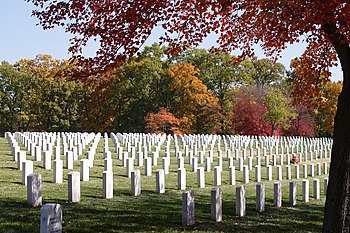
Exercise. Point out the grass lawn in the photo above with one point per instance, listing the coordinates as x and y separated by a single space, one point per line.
149 212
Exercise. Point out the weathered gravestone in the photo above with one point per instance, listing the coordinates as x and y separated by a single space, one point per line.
216 204
188 208
34 185
293 192
135 183
260 197
277 200
240 201
51 218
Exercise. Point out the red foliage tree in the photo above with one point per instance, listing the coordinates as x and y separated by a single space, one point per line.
303 124
308 84
248 113
162 122
123 26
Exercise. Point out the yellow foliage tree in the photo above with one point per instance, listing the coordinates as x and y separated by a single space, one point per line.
326 112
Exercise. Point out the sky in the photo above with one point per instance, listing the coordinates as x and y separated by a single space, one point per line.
21 38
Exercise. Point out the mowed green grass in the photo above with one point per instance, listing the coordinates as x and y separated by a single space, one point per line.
149 212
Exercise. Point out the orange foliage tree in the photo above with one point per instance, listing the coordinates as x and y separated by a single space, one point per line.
162 122
121 27
190 96
97 108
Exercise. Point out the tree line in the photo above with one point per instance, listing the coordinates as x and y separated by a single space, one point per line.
198 91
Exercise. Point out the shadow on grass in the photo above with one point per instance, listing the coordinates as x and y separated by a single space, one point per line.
10 168
158 213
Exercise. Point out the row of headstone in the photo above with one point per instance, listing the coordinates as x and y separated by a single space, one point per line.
201 156
235 141
149 162
231 143
27 165
34 188
188 203
51 214
39 147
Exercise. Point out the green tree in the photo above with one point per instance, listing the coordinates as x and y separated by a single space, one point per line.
280 111
143 76
262 72
15 97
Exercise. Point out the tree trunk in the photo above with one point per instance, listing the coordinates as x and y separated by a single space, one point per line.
272 129
337 209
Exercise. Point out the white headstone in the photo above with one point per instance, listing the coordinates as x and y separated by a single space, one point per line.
84 170
166 165
232 173
293 192
296 169
108 164
325 185
140 159
207 164
160 181
129 166
37 153
240 163
288 172
27 169
325 168
279 172
305 190
181 178
316 189
58 171
135 183
194 164
47 160
245 174
74 187
69 160
277 200
312 170
22 156
269 172
180 162
148 166
217 176
200 177
257 173
107 184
